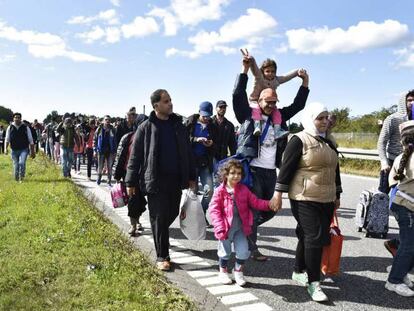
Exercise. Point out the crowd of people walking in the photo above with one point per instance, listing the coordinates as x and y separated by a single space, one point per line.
159 155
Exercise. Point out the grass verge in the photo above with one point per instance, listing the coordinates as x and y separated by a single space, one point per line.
362 167
59 253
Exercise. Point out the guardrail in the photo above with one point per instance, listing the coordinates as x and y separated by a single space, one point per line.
355 153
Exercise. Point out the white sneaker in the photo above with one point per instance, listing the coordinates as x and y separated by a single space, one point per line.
257 131
401 289
239 278
407 281
301 278
316 292
224 277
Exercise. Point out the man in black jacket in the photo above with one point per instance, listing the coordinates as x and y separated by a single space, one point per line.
203 137
264 152
226 135
161 166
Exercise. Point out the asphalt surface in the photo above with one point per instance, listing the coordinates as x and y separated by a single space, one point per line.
360 286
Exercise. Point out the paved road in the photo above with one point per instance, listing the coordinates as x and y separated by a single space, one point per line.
359 287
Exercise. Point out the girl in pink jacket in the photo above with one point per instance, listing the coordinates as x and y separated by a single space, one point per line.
232 218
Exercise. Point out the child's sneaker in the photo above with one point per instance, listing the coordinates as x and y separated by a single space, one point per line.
239 278
301 278
279 132
401 289
257 128
316 292
224 277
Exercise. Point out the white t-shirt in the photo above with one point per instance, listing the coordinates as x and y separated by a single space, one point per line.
267 151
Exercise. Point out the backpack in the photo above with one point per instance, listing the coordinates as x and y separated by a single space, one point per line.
247 179
372 213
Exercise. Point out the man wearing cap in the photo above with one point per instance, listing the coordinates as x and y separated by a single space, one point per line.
264 151
203 137
226 136
19 137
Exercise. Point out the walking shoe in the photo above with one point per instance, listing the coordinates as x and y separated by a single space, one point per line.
407 281
98 181
257 131
224 277
391 247
258 256
133 229
301 278
239 278
401 289
164 265
316 292
140 227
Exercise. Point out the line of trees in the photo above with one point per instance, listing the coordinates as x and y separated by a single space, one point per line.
367 123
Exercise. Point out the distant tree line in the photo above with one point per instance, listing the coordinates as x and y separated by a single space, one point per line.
367 123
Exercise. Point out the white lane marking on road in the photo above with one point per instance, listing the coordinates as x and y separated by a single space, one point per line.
224 289
252 307
195 265
238 298
189 259
209 281
179 255
200 273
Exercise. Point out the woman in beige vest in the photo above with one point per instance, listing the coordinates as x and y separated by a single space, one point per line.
310 175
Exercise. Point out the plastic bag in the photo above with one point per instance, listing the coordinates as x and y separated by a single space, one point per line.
192 220
119 195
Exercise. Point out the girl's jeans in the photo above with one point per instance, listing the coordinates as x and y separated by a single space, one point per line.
404 260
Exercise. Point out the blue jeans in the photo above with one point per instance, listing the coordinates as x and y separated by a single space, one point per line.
404 259
19 158
77 161
241 247
206 179
264 182
67 160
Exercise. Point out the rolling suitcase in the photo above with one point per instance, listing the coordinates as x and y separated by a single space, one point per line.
372 214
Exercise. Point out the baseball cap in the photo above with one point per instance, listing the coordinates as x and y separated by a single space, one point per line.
221 103
206 109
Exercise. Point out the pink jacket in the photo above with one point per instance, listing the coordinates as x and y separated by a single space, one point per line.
221 209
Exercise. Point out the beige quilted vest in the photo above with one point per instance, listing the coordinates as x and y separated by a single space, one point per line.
315 176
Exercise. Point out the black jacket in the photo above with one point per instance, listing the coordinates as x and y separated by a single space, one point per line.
123 127
119 168
226 139
248 144
143 163
212 134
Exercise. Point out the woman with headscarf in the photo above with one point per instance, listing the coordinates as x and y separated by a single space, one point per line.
310 175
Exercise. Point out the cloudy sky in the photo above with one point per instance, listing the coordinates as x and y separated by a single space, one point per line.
104 56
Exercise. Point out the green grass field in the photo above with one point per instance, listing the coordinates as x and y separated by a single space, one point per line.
58 253
360 167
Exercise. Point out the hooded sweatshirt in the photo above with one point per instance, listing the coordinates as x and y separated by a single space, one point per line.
389 141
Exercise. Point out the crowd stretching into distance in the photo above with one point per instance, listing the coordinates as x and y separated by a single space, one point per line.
159 155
